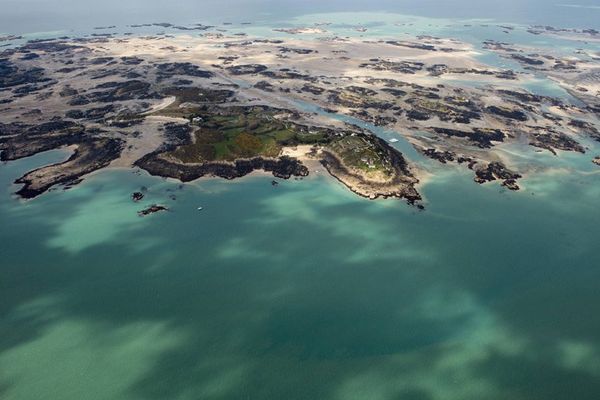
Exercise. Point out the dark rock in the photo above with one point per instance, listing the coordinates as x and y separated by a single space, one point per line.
154 208
168 70
295 50
122 91
308 88
507 113
441 156
246 69
137 196
494 171
405 67
414 115
283 167
11 75
131 60
264 85
29 56
287 74
394 92
586 128
551 140
482 137
527 60
90 155
93 114
412 45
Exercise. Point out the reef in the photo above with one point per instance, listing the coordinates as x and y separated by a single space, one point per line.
239 106
552 140
152 209
169 70
283 167
12 75
90 155
482 137
137 196
497 171
27 140
508 113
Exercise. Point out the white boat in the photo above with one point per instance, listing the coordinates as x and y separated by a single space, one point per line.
200 208
393 140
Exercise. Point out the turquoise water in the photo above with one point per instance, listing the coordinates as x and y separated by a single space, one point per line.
401 143
299 291
304 290
19 16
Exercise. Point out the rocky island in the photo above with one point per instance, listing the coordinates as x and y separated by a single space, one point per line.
185 107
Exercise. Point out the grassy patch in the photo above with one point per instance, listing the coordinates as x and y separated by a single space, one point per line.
359 153
226 134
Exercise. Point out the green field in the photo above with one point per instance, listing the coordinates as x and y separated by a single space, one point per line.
242 132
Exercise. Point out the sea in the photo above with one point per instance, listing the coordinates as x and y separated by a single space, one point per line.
305 290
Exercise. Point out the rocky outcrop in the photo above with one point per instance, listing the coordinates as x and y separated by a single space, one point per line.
33 139
551 140
481 137
494 171
90 155
154 208
282 167
507 113
400 182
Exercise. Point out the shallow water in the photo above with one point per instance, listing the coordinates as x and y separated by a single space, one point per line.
300 291
23 16
304 290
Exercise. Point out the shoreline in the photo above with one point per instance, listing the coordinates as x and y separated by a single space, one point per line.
417 75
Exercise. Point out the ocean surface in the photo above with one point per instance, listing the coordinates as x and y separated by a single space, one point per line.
25 16
304 290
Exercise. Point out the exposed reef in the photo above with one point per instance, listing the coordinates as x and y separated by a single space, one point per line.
482 137
283 167
552 140
152 209
497 171
12 75
27 140
89 156
246 103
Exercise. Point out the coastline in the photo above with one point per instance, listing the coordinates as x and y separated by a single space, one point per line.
445 122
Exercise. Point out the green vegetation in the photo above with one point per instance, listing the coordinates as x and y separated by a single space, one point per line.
360 153
226 134
186 94
433 106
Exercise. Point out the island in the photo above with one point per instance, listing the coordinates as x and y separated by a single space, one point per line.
188 106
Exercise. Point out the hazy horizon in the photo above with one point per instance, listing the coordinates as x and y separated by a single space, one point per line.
24 16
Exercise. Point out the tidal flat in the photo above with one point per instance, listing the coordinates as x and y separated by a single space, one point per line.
227 105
